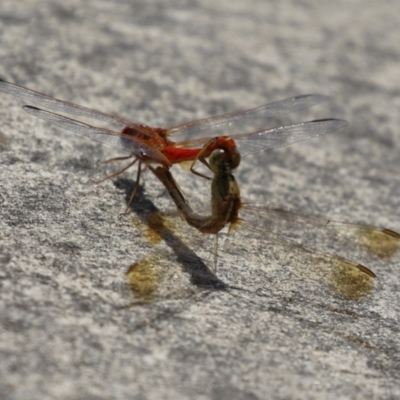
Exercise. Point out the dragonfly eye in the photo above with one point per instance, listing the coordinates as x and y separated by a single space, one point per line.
235 159
216 159
223 161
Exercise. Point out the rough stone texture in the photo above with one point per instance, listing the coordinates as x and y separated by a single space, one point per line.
270 324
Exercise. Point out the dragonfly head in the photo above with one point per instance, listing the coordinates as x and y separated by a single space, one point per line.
222 161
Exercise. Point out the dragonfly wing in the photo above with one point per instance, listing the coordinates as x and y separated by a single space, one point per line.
349 279
51 103
378 242
127 143
258 142
265 111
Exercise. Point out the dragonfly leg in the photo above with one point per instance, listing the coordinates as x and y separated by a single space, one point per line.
193 171
200 157
117 159
135 189
119 172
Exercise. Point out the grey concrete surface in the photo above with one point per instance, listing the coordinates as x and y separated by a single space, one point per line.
271 324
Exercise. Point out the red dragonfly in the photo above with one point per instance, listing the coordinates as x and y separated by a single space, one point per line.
153 145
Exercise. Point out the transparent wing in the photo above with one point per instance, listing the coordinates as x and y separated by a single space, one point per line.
379 242
265 111
248 143
312 265
284 135
58 105
127 143
326 251
257 142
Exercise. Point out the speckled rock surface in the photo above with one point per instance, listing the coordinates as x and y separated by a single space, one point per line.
271 323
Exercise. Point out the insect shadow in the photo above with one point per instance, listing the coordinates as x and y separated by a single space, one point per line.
200 274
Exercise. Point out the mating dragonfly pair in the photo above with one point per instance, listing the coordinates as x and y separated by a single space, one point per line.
154 148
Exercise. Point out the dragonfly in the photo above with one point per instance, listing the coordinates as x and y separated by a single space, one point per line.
276 224
151 145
